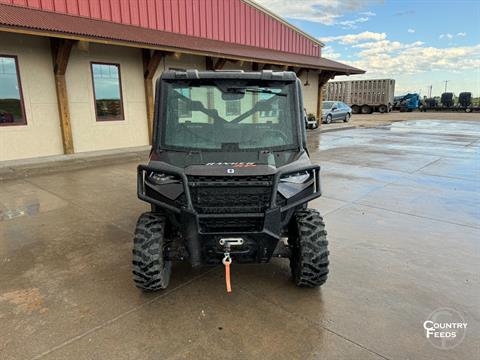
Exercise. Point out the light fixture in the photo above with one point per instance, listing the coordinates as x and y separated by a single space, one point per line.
306 82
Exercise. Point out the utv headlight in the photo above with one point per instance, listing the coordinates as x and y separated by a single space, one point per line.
166 185
297 178
162 179
294 183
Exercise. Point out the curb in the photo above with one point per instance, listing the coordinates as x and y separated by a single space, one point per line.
19 169
339 129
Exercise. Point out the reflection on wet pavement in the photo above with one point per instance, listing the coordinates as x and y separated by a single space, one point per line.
23 199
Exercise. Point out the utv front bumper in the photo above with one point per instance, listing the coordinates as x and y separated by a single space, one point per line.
209 209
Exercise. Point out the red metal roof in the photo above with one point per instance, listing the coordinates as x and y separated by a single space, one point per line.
55 24
235 21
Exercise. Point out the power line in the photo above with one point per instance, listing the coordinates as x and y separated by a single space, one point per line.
446 82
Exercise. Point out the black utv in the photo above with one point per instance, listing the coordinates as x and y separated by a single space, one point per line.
229 177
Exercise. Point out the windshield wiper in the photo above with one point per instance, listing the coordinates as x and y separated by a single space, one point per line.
241 90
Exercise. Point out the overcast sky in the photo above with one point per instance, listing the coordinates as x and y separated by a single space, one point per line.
417 43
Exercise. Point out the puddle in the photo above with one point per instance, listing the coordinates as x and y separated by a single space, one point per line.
18 199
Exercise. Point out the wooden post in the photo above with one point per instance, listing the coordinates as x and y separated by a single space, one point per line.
209 63
220 64
150 66
61 49
323 78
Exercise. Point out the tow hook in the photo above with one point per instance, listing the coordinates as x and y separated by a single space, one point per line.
227 259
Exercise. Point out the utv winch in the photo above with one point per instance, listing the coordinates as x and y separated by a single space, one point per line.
229 178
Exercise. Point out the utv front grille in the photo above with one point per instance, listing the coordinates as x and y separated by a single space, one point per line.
236 224
228 195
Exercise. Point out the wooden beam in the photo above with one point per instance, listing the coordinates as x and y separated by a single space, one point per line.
300 72
220 64
151 60
209 63
61 49
323 78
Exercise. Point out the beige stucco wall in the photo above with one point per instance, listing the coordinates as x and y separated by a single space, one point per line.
310 93
181 61
41 136
89 134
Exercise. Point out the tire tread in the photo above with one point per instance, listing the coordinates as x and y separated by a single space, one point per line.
309 261
150 271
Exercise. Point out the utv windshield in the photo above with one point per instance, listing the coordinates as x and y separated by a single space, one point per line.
225 115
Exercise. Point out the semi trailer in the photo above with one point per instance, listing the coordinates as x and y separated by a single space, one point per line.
363 96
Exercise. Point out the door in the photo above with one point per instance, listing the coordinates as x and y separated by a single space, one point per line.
337 113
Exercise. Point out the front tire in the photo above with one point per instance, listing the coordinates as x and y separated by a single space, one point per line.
309 245
328 119
150 270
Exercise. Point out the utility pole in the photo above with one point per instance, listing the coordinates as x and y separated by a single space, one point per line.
430 91
446 82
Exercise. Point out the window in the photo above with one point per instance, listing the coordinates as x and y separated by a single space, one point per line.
232 107
107 91
12 111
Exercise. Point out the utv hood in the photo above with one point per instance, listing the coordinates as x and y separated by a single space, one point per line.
221 163
230 169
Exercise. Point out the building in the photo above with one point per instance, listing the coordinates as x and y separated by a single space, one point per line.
78 75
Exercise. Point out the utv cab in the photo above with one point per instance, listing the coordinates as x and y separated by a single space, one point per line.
229 178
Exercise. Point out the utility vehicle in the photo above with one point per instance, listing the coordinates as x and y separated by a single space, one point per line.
229 178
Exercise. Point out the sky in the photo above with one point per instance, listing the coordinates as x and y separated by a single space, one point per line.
417 43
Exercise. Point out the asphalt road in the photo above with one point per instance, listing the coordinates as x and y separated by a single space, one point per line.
402 208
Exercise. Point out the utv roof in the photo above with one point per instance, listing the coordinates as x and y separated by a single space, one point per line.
230 74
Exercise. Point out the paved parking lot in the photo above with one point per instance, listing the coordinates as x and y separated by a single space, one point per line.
378 119
402 208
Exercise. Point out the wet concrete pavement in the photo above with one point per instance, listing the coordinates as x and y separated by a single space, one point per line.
402 208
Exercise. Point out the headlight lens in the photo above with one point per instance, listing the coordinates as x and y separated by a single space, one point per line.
162 179
297 178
